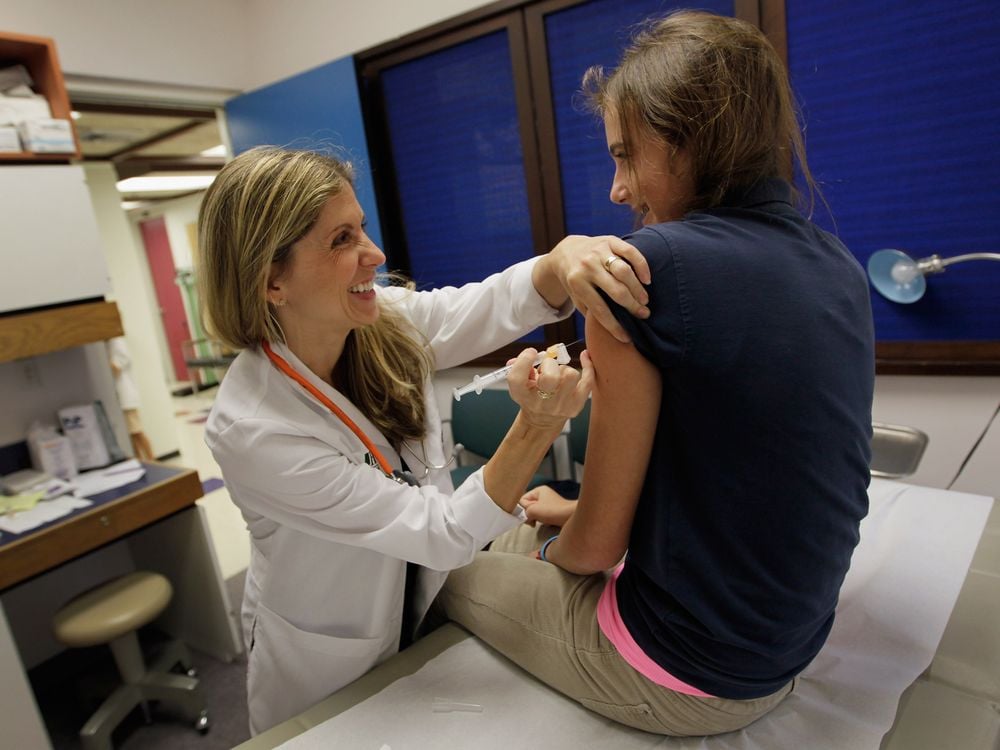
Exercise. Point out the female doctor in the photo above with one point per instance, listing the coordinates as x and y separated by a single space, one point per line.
331 398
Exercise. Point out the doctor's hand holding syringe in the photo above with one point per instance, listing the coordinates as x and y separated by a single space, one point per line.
556 352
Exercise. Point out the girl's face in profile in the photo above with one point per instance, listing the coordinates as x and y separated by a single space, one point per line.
650 177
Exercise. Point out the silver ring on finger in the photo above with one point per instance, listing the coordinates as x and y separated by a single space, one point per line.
544 394
608 261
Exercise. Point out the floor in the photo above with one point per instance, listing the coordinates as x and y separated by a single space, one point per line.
229 533
71 686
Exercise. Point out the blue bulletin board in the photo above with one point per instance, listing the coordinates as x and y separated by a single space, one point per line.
901 103
318 110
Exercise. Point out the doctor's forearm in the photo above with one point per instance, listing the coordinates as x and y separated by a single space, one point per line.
507 474
547 282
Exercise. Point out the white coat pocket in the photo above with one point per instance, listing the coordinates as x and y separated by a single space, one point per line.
291 669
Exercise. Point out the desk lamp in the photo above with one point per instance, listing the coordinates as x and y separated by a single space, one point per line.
900 278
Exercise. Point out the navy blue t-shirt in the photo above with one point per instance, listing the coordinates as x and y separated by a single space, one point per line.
761 328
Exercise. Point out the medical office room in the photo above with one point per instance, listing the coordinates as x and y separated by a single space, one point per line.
472 150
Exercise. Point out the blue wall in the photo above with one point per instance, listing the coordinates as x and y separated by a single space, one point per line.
901 102
319 110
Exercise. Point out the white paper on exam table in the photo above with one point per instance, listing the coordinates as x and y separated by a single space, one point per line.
45 511
916 546
95 482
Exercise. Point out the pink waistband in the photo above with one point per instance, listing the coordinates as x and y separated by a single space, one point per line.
610 621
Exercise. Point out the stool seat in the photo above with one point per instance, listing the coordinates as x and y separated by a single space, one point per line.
112 610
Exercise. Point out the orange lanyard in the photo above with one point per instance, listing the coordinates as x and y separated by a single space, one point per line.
291 372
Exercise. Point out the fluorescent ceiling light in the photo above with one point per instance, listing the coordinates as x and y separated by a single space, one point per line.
219 150
164 183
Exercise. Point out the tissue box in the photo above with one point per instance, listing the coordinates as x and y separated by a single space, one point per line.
52 453
9 140
49 136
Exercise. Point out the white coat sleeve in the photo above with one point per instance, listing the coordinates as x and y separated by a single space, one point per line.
462 323
301 482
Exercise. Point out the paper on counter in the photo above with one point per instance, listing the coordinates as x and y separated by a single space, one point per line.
45 511
20 502
111 477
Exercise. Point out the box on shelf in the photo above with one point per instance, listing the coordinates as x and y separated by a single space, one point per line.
82 427
15 78
9 140
50 136
17 109
51 452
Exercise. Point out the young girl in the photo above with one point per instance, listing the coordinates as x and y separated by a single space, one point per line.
729 444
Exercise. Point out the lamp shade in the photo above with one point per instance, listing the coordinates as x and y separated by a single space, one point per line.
896 276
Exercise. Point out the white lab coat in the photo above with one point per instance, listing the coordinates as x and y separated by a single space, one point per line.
330 534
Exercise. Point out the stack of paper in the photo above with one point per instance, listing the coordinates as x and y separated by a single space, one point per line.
49 510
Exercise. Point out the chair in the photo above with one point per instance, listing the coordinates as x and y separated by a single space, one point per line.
111 613
478 426
206 360
896 450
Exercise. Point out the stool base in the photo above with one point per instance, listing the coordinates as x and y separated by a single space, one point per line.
154 684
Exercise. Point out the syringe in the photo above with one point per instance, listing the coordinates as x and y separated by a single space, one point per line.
556 351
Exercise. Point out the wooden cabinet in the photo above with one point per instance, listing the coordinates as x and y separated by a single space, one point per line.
40 332
38 55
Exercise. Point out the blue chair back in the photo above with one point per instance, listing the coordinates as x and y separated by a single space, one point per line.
480 424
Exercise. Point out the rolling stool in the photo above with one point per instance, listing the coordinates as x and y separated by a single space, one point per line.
111 613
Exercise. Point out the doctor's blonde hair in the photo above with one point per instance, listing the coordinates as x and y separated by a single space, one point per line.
259 205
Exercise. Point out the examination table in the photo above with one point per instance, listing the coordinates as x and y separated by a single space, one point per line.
916 546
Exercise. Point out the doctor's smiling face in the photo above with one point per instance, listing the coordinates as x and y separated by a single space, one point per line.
325 284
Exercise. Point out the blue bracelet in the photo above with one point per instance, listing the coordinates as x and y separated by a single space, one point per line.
541 552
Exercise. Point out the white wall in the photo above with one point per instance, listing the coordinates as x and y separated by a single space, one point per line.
229 44
288 38
954 412
184 42
132 289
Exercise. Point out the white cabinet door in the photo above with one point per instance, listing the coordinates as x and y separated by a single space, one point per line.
50 249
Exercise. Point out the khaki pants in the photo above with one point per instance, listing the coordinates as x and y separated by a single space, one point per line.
545 620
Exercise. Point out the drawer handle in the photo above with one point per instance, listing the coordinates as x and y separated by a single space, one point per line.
105 521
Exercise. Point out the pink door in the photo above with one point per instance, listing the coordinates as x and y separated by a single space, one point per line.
161 266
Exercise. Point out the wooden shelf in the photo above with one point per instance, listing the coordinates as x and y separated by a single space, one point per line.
38 55
33 333
30 157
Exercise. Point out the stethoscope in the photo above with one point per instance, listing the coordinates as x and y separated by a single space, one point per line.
423 462
400 477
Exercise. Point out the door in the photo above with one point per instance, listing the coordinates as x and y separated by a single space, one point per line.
168 296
